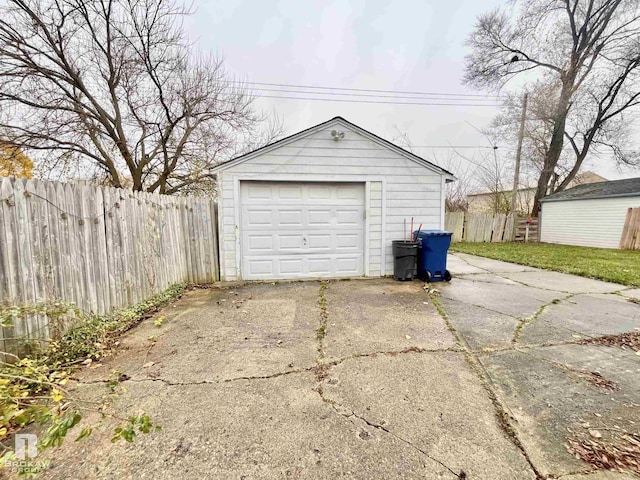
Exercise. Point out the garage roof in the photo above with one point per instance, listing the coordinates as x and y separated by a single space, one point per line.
373 137
629 187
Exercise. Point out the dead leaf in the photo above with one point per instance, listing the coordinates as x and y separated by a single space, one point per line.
595 434
148 364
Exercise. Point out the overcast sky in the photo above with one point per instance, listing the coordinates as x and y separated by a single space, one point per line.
372 44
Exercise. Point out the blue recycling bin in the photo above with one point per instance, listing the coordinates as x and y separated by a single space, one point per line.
432 256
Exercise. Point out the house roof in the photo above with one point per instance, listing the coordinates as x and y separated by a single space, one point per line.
581 178
629 187
371 136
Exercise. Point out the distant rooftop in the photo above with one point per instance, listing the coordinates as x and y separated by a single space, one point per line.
529 185
628 187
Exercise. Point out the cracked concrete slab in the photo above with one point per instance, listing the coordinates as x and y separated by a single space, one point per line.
488 278
460 267
562 282
246 384
481 328
235 379
514 300
380 315
551 392
435 402
586 316
544 332
219 334
552 396
490 265
276 428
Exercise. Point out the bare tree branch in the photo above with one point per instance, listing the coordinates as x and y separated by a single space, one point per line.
113 85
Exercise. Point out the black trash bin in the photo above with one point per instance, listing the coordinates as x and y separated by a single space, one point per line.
405 256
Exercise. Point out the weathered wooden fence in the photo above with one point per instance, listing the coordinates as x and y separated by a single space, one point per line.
479 227
527 229
630 239
98 248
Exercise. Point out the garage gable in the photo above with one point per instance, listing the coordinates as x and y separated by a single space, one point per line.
342 132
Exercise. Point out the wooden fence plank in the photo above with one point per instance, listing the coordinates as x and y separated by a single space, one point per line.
498 227
487 227
630 239
454 223
479 227
25 262
44 287
9 262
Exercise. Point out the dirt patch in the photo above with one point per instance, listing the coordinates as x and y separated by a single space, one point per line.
620 451
624 340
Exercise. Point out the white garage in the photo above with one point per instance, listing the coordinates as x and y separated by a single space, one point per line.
589 215
323 203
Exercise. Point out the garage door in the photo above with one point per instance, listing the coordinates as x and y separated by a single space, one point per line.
301 230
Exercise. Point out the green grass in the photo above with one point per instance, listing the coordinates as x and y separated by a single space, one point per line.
618 266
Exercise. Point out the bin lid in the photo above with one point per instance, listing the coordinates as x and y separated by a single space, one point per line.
432 233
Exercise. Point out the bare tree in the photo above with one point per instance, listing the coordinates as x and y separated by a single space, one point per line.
456 193
612 137
491 173
112 86
588 49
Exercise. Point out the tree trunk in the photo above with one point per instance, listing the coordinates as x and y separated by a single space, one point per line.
555 147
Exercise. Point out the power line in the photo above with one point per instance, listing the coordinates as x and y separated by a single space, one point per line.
385 102
363 89
452 146
344 94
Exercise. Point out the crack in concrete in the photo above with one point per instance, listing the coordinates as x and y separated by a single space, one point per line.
502 275
525 321
490 351
480 306
348 414
202 382
520 282
484 272
503 419
392 353
332 363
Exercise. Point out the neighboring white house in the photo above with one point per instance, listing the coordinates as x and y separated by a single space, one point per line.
500 202
590 215
325 202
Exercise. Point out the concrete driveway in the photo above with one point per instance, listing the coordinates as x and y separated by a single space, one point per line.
370 379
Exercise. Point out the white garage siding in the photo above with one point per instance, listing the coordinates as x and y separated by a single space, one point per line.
393 182
596 222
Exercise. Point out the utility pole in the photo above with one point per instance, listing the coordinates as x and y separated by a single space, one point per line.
516 173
